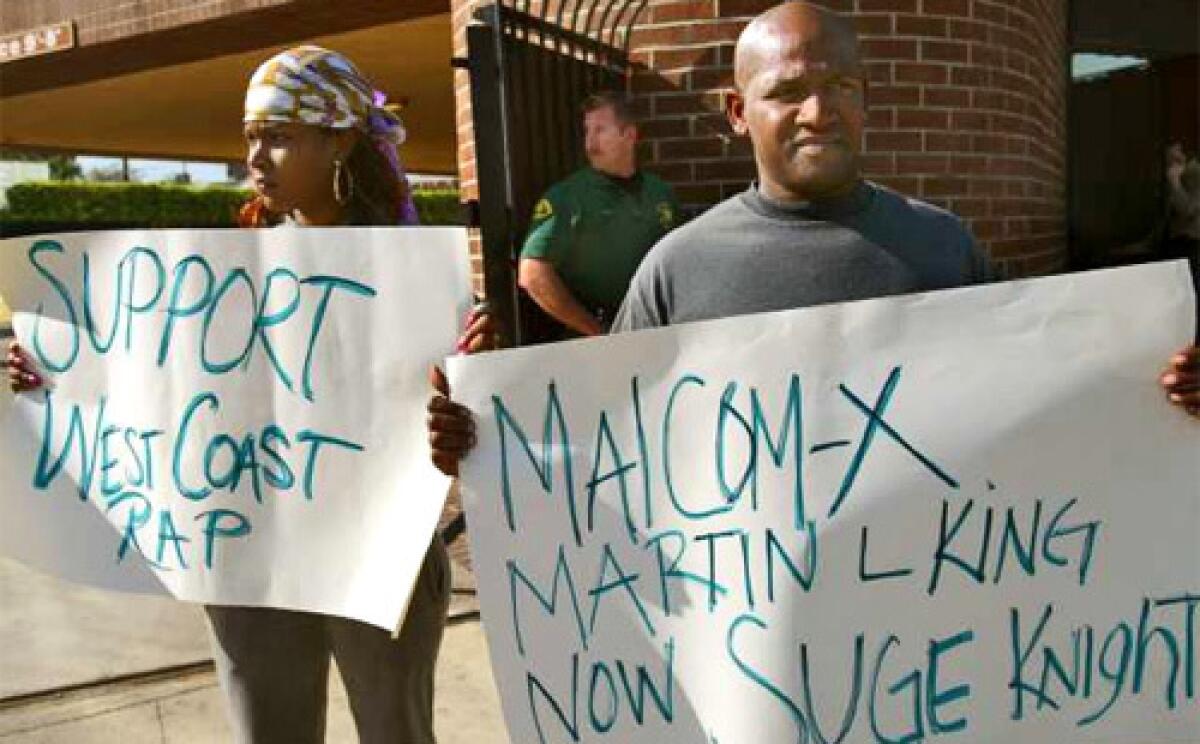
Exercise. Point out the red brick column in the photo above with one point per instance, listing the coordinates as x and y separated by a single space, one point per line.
461 11
967 109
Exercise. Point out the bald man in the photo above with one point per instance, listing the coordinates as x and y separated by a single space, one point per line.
810 230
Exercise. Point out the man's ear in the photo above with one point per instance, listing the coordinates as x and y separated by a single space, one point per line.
735 111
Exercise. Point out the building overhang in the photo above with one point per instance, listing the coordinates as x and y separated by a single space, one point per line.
177 92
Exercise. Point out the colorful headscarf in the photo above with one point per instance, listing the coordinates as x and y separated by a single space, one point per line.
312 85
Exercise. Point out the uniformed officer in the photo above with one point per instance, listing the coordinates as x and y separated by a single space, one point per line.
590 231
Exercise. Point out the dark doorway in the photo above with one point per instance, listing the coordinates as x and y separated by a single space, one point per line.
1134 91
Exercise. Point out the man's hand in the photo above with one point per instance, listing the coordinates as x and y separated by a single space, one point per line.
1181 380
22 374
451 427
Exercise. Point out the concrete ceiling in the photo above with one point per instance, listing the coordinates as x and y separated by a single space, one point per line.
193 110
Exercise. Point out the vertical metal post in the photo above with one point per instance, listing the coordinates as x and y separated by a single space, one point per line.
493 164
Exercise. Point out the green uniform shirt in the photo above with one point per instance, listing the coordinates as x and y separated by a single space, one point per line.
595 230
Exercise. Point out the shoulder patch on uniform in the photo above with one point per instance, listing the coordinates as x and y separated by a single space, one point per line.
666 214
543 209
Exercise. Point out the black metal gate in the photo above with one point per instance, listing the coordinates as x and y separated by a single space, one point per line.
531 66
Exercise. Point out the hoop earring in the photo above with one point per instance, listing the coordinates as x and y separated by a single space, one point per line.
342 195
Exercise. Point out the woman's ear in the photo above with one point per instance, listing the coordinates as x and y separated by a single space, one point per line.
343 143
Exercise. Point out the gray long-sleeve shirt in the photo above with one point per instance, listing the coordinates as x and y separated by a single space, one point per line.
750 254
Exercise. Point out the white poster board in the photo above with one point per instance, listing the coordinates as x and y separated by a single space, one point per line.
963 516
235 417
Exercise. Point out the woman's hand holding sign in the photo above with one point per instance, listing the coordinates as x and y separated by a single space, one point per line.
23 377
482 331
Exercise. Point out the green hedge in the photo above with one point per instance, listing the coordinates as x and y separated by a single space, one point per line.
165 205
151 205
439 207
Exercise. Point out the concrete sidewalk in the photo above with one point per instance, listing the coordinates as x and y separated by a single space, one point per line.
73 669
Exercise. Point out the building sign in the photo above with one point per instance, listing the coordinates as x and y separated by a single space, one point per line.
32 42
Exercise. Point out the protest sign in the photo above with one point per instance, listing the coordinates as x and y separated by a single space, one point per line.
964 516
236 417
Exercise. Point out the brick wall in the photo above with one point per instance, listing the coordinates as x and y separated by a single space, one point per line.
967 109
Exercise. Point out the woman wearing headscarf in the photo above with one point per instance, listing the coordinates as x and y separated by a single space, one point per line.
322 150
321 145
